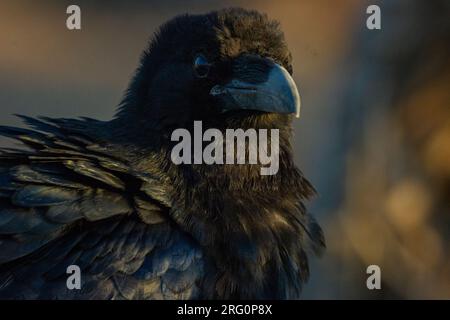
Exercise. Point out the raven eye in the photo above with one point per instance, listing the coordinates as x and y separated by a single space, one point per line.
201 66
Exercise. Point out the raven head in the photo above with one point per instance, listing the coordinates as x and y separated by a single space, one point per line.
229 69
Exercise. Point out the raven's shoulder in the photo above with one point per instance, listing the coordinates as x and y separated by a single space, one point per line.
66 200
119 258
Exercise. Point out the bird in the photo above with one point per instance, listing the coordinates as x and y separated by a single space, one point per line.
104 196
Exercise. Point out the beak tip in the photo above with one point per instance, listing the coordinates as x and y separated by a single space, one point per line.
298 108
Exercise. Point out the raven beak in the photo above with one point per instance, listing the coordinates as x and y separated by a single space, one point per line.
278 93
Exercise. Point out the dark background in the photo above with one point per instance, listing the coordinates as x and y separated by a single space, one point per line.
374 136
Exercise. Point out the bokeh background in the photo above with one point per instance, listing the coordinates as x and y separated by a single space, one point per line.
374 137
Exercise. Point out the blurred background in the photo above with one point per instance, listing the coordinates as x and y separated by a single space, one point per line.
374 137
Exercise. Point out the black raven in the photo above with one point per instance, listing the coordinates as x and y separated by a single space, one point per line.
106 197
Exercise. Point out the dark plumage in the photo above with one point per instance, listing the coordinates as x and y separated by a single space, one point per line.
106 196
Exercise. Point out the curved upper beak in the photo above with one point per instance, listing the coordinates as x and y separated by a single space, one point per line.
277 93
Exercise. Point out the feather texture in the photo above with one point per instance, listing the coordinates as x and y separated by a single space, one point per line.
64 204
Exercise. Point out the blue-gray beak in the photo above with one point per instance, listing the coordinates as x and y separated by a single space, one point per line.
277 93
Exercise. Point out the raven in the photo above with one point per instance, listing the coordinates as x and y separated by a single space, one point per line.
104 196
